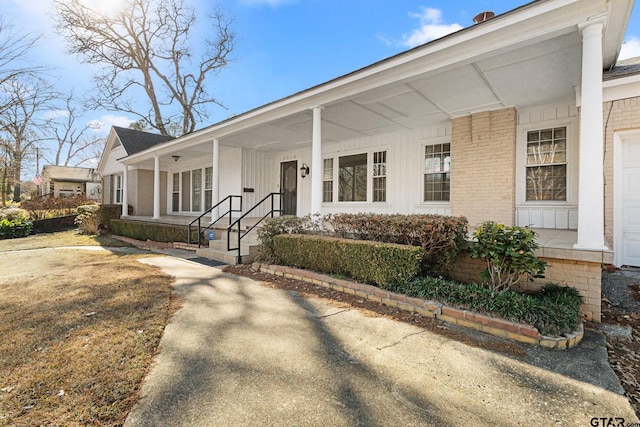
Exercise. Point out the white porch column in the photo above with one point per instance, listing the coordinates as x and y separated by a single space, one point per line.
156 187
125 190
591 180
215 179
316 162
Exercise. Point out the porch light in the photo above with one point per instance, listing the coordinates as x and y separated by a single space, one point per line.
175 158
304 170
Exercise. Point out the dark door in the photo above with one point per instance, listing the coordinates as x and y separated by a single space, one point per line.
289 186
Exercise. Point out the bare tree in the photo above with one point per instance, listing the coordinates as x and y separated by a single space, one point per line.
21 122
71 142
14 48
144 48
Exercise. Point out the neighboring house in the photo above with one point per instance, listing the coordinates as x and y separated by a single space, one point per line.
123 142
511 120
67 181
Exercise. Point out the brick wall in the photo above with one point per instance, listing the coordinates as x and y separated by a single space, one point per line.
622 114
483 158
585 276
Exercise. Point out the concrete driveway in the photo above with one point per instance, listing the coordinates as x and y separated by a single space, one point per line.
238 353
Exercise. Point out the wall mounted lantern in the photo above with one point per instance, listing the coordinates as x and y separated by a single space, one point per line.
304 170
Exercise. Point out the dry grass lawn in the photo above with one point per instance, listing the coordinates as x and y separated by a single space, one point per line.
56 240
79 330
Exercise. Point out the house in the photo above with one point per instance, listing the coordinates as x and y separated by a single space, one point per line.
67 181
523 119
123 142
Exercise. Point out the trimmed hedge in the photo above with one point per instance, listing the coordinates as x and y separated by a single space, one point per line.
380 264
150 231
106 213
54 224
442 237
554 310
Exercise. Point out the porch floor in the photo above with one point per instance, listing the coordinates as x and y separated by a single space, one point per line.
186 220
553 243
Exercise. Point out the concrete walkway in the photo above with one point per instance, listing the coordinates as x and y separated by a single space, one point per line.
241 354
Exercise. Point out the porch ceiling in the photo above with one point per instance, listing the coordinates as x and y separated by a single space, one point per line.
540 73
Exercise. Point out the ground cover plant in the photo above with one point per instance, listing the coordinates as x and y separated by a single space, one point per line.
14 223
79 330
554 310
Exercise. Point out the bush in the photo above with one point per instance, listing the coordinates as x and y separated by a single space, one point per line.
14 213
508 253
43 207
380 264
87 219
554 310
441 237
286 224
12 228
151 231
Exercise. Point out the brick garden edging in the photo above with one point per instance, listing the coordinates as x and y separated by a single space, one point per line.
480 322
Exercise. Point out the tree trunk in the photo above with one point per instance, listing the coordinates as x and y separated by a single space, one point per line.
16 183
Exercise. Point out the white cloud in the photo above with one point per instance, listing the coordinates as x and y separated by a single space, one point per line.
104 123
431 27
630 48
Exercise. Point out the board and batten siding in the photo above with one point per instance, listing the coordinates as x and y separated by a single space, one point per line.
405 169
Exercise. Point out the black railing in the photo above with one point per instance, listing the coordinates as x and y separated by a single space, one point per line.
228 199
238 222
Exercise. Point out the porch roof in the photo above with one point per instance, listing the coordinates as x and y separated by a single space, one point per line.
527 57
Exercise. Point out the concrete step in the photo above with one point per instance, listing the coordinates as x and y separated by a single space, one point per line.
248 255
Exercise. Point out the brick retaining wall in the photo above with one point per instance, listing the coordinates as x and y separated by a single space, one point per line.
492 325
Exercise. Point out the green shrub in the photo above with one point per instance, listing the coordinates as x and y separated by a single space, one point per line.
151 231
508 253
380 264
14 213
441 237
286 224
554 310
12 228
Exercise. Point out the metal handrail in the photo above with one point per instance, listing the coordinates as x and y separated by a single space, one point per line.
229 212
238 221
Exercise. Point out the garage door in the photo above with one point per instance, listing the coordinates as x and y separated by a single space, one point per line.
630 203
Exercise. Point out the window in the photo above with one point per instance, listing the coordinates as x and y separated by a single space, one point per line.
175 194
208 188
117 189
437 172
380 176
546 167
352 178
327 181
196 190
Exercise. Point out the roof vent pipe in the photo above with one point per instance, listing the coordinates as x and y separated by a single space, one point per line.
483 16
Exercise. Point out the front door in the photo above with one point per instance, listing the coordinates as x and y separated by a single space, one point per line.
289 186
631 203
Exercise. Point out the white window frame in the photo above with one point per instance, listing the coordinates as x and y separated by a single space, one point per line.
571 125
118 181
187 210
369 151
423 171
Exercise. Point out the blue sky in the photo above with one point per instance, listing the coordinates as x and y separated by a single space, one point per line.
284 46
